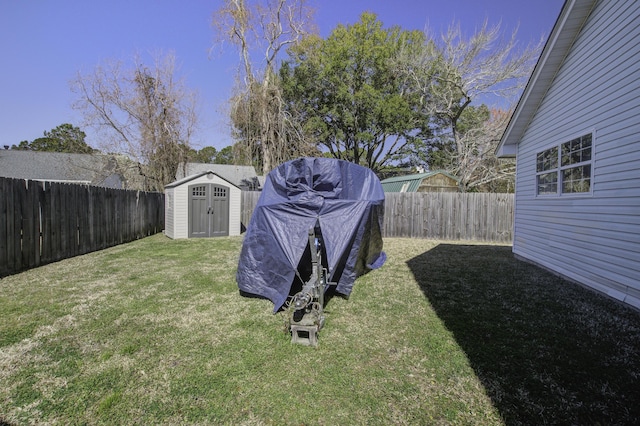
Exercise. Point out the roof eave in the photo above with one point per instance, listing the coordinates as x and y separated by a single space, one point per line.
196 176
562 37
507 151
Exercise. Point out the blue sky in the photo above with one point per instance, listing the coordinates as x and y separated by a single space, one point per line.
44 43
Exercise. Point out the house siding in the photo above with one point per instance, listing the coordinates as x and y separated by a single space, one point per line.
593 239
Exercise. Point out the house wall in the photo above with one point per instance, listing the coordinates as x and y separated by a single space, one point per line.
181 206
593 239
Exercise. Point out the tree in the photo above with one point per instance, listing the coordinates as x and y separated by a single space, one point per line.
64 138
472 157
466 71
259 119
205 155
22 146
144 112
349 97
225 156
210 155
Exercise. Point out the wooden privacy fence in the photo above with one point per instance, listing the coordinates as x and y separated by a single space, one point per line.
449 216
436 215
43 222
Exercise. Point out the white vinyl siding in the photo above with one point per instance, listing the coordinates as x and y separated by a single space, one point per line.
168 213
593 238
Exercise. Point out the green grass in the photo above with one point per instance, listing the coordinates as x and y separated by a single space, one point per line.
155 332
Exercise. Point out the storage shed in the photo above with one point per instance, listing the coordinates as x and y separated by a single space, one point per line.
202 205
435 181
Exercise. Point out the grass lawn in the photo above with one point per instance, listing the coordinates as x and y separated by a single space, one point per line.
155 332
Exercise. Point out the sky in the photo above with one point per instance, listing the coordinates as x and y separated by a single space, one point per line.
45 43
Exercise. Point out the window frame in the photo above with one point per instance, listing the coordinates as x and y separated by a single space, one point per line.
559 169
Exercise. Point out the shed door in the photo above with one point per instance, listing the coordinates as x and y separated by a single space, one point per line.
208 210
219 214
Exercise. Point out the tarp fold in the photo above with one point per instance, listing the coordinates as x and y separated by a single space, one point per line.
346 201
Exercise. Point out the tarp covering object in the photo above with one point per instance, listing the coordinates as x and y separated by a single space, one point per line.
346 201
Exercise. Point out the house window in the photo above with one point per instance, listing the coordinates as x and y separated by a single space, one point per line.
547 170
565 169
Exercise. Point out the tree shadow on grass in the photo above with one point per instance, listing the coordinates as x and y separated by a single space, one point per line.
546 350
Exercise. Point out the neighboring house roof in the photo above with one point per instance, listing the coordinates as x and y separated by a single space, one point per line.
410 183
196 176
243 177
569 23
91 169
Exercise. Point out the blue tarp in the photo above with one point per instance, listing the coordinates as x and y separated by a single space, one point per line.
346 201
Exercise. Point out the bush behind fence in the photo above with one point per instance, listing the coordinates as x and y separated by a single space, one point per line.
43 222
436 215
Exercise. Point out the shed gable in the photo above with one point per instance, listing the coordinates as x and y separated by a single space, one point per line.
434 181
438 182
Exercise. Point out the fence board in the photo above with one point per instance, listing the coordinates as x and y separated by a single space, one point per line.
16 228
4 223
31 227
60 235
436 215
83 222
42 222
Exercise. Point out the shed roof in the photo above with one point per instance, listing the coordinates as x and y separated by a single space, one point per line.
567 27
196 176
396 183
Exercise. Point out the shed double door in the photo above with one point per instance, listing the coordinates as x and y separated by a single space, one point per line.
208 210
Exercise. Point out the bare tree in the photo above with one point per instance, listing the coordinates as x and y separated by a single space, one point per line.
263 30
143 112
474 161
454 73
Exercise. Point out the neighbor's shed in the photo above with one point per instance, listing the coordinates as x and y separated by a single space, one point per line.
202 205
435 181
